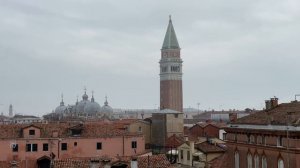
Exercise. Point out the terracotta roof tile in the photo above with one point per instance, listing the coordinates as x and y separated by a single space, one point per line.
207 147
275 116
221 161
154 161
88 130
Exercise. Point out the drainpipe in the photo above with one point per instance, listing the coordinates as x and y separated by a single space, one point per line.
123 146
58 145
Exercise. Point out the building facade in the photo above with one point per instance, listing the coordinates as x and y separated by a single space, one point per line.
268 138
37 145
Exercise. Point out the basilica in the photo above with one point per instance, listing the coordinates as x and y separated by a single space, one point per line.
85 109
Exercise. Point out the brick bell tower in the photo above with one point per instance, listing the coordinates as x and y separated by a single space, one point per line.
171 72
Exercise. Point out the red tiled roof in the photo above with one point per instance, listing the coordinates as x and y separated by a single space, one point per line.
70 163
154 161
207 147
174 141
89 130
276 116
220 162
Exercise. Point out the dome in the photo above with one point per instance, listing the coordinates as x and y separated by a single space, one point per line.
106 108
61 108
92 107
81 105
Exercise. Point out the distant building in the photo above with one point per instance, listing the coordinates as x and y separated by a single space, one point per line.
209 129
25 119
84 109
10 111
265 139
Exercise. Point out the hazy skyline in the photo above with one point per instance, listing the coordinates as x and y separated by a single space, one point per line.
236 53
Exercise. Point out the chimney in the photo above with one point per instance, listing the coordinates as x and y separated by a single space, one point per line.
208 121
186 138
192 147
134 163
232 117
268 104
274 102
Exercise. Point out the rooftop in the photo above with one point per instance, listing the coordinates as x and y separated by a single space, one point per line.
283 114
96 129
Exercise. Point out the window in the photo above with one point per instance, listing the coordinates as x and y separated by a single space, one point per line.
252 139
236 160
256 161
264 162
76 132
15 147
264 140
181 154
279 141
188 155
31 132
75 143
140 129
259 140
176 115
235 137
133 144
224 136
64 146
175 69
31 147
249 160
164 69
34 147
280 163
45 147
248 138
99 145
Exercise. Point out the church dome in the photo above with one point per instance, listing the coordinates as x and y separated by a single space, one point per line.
92 107
106 108
61 108
81 105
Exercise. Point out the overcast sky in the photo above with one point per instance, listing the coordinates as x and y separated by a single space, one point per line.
236 53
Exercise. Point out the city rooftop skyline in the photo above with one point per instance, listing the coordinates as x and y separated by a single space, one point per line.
235 54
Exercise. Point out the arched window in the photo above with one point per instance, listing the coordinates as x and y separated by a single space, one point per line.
252 139
256 161
264 162
236 160
249 160
280 163
259 140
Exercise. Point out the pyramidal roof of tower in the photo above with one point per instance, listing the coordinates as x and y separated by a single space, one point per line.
170 41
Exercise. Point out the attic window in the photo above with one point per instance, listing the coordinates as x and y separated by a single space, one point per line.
76 132
31 132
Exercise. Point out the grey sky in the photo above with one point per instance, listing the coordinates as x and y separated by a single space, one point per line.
236 53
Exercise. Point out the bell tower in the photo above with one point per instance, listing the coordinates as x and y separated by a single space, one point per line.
171 72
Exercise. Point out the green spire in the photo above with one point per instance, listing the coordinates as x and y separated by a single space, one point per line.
170 41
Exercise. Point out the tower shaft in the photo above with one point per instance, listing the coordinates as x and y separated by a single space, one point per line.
171 72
